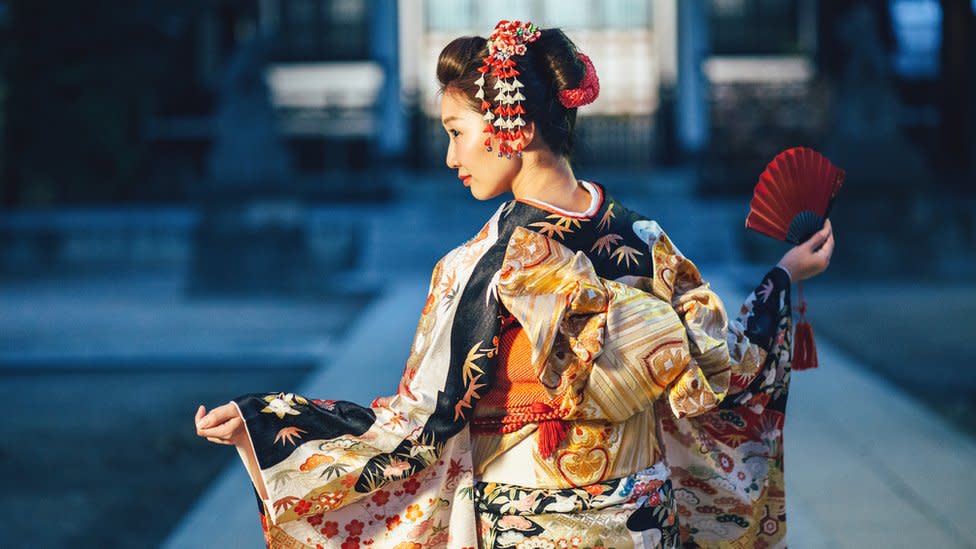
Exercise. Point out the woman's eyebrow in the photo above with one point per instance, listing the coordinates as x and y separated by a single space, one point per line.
448 119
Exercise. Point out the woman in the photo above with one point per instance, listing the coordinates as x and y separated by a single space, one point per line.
573 381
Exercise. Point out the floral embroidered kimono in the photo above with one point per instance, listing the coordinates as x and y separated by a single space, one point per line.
573 382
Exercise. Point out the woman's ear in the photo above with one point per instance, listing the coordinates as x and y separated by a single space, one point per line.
528 136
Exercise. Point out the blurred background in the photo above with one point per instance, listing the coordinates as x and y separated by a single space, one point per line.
200 198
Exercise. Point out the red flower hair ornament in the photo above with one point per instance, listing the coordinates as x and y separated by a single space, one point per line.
588 90
504 121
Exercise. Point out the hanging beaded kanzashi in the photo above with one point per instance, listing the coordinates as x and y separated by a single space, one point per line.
505 121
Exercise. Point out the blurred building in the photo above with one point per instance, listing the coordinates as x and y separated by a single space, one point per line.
762 92
332 75
126 108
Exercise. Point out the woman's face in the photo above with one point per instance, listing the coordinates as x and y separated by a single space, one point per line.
483 172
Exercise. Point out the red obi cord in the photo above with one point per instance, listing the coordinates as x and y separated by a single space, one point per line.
519 395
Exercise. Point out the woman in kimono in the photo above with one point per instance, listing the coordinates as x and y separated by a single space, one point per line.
573 381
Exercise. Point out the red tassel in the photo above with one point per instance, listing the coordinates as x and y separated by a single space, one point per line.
804 348
551 432
805 353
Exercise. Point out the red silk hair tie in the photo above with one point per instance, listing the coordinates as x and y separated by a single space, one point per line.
588 90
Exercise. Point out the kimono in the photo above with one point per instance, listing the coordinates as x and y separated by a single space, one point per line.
656 421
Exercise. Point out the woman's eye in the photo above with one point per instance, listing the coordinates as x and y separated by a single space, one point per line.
454 133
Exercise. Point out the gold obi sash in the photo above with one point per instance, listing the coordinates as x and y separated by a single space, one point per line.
583 368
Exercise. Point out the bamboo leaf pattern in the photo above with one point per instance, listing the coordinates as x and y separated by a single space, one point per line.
552 230
626 253
604 223
281 477
469 367
469 395
288 435
566 222
287 502
334 470
602 244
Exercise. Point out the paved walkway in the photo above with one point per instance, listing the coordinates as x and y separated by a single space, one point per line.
867 466
144 320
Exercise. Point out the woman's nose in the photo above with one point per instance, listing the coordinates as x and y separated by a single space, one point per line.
450 160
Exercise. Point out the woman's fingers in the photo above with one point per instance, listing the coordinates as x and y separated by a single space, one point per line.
828 248
223 431
825 250
218 441
218 415
221 426
211 424
219 431
198 418
818 238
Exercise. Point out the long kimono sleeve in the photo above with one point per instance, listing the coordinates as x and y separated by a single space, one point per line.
727 461
318 456
763 329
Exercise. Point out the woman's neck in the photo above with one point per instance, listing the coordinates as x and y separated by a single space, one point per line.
550 180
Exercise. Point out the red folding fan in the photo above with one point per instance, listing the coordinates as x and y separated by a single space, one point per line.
791 202
794 195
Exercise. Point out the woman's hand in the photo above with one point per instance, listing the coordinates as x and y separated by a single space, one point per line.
812 257
223 425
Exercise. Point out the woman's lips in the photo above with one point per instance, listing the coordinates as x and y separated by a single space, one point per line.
465 179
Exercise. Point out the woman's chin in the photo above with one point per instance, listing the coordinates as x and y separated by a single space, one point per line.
478 194
482 194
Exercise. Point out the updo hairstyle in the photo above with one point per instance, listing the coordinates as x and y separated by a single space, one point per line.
548 66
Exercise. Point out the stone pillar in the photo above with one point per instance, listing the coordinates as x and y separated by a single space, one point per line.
957 114
391 136
665 22
692 90
665 25
411 39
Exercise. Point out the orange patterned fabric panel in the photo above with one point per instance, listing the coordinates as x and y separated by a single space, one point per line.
516 397
516 384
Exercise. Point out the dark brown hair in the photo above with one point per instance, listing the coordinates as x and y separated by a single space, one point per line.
548 66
